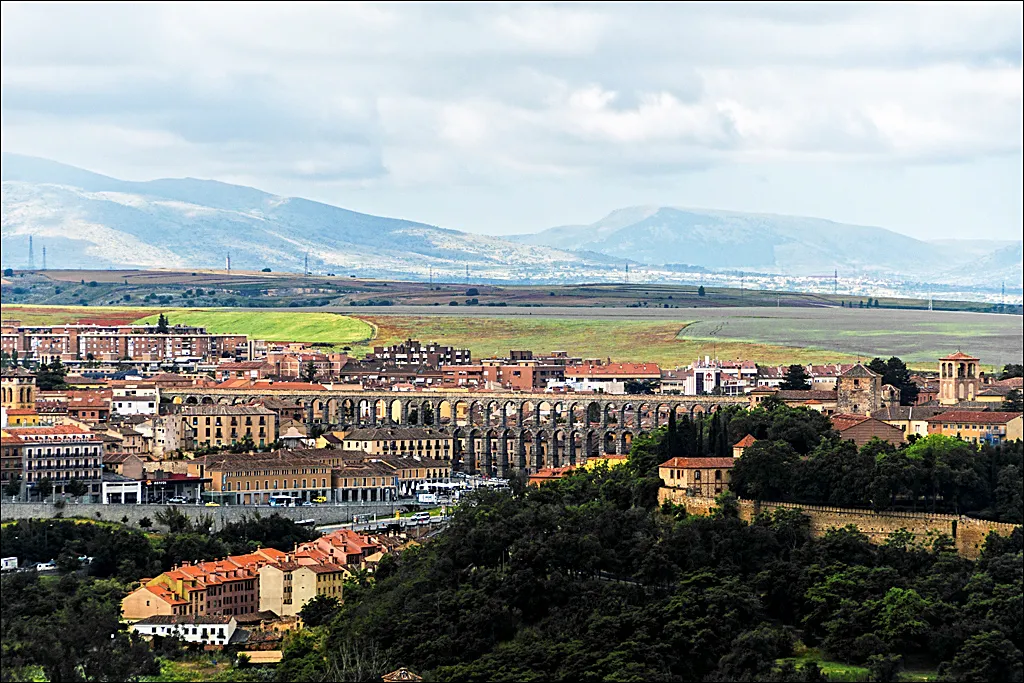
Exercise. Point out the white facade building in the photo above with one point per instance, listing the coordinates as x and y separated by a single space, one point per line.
192 628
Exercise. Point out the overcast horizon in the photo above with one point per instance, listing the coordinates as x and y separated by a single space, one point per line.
514 118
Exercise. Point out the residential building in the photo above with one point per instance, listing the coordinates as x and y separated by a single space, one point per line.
430 444
908 419
82 343
412 352
61 455
366 481
285 587
221 425
12 466
704 477
209 630
977 426
246 369
959 378
252 478
861 429
118 489
610 378
740 447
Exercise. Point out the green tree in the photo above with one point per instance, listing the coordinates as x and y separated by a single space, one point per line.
76 488
320 610
796 378
308 373
1011 370
50 377
44 488
12 487
984 657
894 371
766 471
1013 402
885 668
162 326
701 291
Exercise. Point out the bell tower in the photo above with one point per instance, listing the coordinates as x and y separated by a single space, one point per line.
18 389
958 378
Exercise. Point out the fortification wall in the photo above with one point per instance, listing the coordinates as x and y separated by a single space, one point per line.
968 534
323 514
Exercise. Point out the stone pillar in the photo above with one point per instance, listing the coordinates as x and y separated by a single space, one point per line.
538 452
553 448
405 412
471 454
488 461
604 415
504 415
572 448
536 416
373 413
520 452
620 443
456 454
503 458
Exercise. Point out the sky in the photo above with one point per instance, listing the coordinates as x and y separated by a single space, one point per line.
507 118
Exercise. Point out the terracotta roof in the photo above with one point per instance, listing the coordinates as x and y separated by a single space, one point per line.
699 463
614 369
843 421
745 442
860 370
959 356
166 619
974 417
22 411
908 412
806 395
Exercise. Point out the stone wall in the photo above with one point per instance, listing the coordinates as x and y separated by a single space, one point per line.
323 514
967 533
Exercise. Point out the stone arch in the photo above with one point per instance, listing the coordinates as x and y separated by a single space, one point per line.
445 414
609 442
191 401
207 401
461 413
492 409
546 410
525 450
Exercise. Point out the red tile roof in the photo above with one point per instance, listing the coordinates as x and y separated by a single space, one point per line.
843 421
745 442
959 356
699 463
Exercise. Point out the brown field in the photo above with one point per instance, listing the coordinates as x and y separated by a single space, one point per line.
64 315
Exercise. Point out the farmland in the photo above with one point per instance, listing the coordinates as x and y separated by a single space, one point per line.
668 337
319 328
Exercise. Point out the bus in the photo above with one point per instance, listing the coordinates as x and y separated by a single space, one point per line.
285 500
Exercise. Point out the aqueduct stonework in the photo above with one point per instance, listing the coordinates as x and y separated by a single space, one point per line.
492 432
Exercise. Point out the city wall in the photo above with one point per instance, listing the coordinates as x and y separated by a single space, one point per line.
968 534
323 514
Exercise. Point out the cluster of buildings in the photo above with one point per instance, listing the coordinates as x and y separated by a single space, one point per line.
223 601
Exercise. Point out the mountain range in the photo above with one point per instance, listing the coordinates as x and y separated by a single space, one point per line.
90 220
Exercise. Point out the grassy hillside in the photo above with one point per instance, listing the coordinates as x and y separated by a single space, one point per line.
324 328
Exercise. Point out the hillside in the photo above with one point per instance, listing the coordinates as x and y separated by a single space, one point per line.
89 220
769 243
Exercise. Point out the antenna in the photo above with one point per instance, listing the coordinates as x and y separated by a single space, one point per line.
431 276
227 261
467 273
31 255
627 273
44 258
835 282
305 264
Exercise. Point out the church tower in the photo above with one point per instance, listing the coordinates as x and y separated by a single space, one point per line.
958 378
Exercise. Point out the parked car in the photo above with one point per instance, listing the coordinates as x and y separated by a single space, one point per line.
319 500
46 566
211 504
177 500
306 504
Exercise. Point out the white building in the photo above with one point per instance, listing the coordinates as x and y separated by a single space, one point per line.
192 628
119 489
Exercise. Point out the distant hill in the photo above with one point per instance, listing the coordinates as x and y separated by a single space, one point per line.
90 220
765 243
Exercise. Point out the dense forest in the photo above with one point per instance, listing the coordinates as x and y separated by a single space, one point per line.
587 578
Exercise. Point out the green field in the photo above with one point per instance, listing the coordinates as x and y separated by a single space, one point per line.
322 328
621 340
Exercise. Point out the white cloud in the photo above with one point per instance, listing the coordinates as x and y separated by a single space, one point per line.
363 100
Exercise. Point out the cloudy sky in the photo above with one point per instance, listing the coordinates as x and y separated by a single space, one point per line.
503 118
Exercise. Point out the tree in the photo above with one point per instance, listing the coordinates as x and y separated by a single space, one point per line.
145 523
44 488
1011 370
1013 402
8 272
885 668
796 378
639 387
766 471
308 373
76 488
988 656
894 371
472 291
51 376
320 610
265 270
12 487
161 324
700 291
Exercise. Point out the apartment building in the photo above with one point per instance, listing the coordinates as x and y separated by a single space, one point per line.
12 466
78 343
60 455
226 587
253 478
412 352
220 425
423 442
977 426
